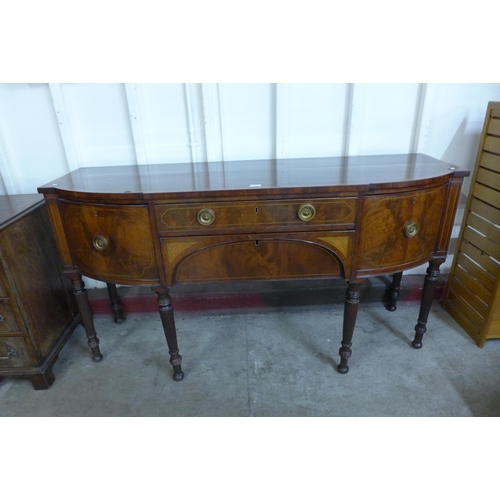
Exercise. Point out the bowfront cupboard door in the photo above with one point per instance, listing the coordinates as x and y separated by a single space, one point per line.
112 243
399 230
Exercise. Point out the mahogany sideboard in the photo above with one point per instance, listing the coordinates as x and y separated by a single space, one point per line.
38 312
346 217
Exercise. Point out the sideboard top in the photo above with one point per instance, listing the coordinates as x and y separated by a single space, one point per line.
254 176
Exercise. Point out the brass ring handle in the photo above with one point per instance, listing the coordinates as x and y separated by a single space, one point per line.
100 243
411 229
206 216
306 212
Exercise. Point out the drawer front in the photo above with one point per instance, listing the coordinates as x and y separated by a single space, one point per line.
400 229
14 352
111 243
253 257
8 321
226 215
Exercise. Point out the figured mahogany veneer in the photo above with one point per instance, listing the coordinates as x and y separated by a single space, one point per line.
351 217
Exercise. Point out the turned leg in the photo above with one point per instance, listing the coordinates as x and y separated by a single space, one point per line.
425 305
168 322
394 291
350 313
116 304
82 301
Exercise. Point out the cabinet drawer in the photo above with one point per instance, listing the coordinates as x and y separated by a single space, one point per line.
256 256
13 352
297 214
8 321
400 229
111 243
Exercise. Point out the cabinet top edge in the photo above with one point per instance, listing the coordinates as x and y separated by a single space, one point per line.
329 174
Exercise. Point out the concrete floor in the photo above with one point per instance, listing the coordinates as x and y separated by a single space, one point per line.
279 362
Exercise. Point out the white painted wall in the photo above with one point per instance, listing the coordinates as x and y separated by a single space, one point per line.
47 130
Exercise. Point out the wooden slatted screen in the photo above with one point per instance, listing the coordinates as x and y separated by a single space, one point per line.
472 296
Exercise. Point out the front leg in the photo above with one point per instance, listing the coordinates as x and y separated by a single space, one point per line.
82 302
350 313
427 297
168 322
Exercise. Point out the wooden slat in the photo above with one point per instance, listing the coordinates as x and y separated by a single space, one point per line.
491 267
472 284
486 211
457 315
466 310
468 296
494 127
491 231
492 144
484 244
487 194
490 161
488 178
495 109
474 270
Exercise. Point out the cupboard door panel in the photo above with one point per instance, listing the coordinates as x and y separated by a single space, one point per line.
400 229
111 243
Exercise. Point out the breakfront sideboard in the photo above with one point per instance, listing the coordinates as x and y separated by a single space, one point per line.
346 217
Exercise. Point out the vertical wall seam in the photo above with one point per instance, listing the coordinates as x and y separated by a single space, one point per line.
417 121
349 102
9 178
193 143
134 112
63 125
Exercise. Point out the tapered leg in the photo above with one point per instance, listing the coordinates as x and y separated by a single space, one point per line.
82 301
116 304
425 305
168 322
394 291
350 313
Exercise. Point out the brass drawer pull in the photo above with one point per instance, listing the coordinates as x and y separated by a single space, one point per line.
411 229
306 212
100 243
206 216
10 353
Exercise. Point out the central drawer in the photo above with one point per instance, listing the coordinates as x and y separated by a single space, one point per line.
295 214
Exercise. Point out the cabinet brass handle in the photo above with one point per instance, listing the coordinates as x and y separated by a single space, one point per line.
11 352
206 216
306 212
100 243
411 229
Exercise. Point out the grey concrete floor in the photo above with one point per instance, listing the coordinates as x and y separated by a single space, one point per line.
270 363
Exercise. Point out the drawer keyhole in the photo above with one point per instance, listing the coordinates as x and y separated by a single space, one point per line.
256 243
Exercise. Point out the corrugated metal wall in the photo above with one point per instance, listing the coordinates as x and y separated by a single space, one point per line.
47 130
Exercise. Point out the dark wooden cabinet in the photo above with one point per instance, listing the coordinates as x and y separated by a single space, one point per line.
349 217
37 310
